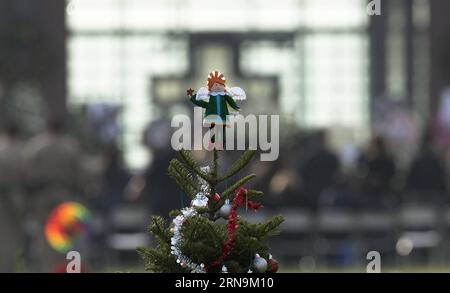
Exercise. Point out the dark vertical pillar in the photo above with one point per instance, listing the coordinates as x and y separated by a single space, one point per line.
51 21
377 53
440 49
409 50
377 34
4 8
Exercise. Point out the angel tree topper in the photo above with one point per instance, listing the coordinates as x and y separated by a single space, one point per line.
216 98
221 112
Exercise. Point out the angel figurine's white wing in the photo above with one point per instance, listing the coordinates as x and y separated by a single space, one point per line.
202 94
237 93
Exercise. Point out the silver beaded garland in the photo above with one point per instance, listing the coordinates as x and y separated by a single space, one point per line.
183 260
200 200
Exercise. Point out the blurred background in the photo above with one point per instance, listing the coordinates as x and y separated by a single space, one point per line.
88 90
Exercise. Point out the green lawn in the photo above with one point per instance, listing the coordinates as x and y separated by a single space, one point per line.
362 270
435 269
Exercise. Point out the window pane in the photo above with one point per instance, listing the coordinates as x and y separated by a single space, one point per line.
203 15
336 81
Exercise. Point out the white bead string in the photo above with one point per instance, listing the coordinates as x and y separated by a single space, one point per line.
182 259
200 200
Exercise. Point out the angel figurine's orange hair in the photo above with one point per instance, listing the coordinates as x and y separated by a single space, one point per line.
215 77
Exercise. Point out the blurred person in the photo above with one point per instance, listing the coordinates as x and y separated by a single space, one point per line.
11 197
377 167
375 173
280 180
53 158
160 191
115 179
427 174
54 175
11 146
320 169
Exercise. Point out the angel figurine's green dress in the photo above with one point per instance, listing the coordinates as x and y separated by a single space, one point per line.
216 108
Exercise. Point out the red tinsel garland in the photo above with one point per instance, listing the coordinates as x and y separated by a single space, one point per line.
239 200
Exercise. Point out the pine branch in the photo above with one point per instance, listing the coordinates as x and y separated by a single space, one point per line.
270 228
239 164
174 213
202 238
186 173
236 185
157 227
252 194
184 178
192 164
228 193
159 261
262 231
201 210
